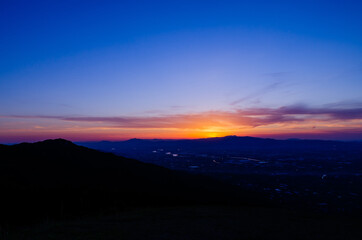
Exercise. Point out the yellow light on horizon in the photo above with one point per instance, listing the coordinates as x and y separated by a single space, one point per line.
212 134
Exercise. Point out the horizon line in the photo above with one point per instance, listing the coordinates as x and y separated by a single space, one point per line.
176 139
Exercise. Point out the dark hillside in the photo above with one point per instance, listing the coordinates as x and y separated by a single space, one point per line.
58 179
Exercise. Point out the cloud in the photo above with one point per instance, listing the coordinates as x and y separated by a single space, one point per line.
331 113
258 93
277 75
250 117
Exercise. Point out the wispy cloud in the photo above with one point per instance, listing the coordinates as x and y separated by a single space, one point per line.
258 93
250 117
278 80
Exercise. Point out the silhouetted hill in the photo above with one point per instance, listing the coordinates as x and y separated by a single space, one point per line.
58 179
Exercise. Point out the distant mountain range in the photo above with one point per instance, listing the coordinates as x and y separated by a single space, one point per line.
57 179
226 144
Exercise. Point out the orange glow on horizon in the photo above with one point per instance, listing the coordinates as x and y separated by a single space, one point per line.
192 126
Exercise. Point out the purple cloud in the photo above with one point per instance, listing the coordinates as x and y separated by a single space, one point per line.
251 117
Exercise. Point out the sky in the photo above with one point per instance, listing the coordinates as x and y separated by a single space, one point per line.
114 70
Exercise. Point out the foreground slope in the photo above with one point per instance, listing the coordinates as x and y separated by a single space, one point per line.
198 223
58 179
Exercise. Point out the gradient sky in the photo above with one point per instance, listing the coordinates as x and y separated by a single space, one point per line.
112 70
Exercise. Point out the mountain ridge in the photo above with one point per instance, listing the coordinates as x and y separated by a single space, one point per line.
223 145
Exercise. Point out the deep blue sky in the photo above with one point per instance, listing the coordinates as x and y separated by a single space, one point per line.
172 58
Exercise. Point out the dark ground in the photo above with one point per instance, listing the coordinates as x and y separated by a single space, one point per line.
56 190
198 222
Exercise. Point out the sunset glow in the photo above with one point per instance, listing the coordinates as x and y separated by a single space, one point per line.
160 70
277 123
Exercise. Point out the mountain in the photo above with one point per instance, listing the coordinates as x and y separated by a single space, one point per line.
228 144
57 179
